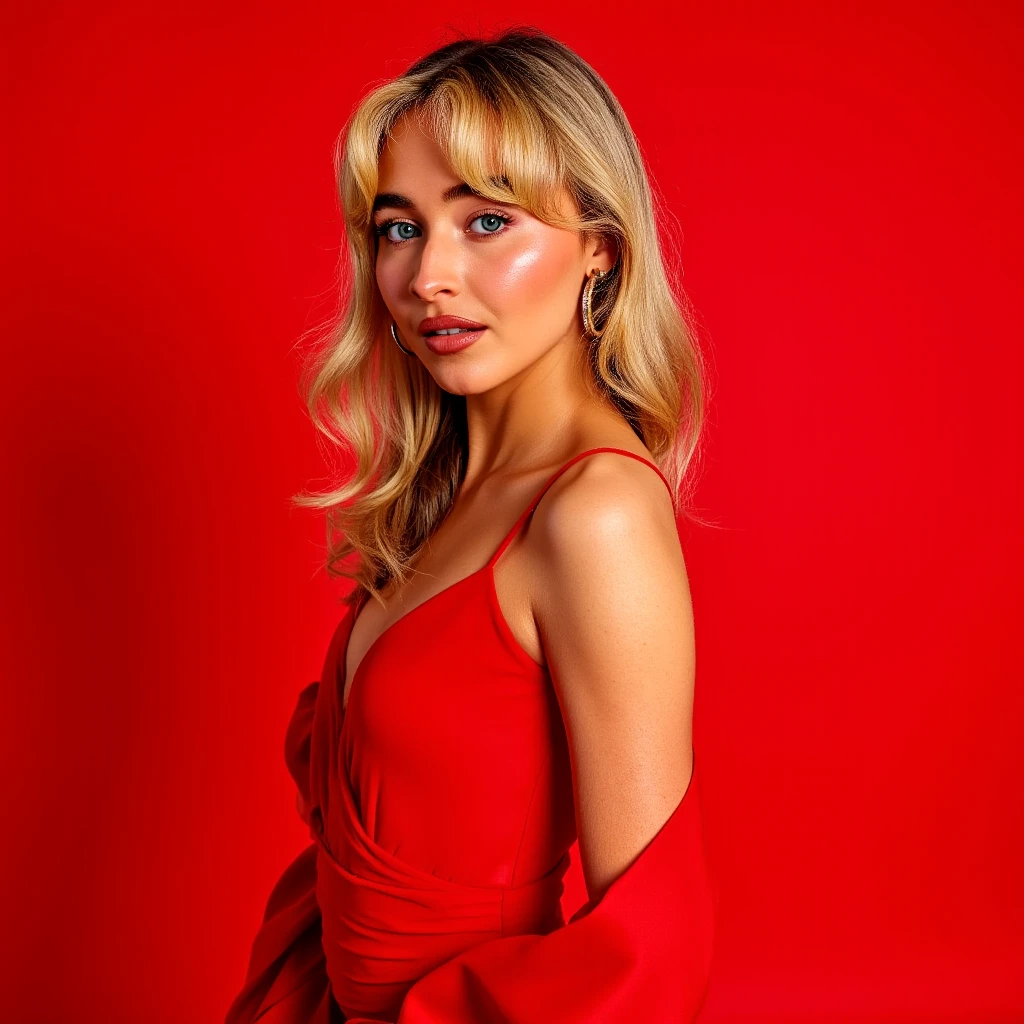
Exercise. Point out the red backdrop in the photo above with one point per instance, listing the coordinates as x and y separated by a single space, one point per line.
847 191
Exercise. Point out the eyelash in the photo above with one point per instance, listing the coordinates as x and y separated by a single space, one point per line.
381 230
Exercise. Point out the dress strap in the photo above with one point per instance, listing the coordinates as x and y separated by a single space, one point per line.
576 458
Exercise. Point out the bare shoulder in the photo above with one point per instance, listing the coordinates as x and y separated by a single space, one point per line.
614 616
608 522
608 489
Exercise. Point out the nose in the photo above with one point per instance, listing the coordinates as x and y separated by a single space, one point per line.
439 272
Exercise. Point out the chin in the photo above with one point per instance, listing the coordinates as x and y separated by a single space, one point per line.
462 384
467 380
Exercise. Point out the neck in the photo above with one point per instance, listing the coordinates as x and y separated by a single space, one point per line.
534 417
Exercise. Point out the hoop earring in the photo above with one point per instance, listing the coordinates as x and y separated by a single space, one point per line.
394 334
587 303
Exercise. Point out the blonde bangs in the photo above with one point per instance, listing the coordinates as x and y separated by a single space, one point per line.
500 147
497 144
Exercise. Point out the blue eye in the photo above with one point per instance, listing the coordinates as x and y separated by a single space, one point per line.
491 223
403 231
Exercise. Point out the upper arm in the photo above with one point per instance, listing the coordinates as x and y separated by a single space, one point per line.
615 618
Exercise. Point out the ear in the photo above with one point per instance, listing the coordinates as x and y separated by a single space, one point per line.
602 253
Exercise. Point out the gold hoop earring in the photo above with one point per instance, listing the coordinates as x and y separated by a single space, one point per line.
587 304
394 334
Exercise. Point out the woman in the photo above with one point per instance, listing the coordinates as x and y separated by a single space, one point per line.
524 674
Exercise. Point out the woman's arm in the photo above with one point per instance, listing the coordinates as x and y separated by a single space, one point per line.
616 623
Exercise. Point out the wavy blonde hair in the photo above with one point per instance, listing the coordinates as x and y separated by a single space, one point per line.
519 117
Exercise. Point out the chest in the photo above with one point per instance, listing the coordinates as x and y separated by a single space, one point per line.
451 727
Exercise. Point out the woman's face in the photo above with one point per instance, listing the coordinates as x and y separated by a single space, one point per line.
444 251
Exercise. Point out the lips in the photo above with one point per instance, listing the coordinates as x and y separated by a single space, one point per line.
448 323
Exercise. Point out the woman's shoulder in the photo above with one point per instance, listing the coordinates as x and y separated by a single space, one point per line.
607 516
607 489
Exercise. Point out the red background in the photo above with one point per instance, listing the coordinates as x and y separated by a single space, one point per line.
847 186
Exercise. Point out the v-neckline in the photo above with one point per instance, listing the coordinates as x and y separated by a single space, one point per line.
387 629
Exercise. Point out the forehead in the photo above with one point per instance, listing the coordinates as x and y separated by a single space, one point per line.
412 156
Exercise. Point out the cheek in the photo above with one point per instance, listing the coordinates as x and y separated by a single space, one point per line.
535 270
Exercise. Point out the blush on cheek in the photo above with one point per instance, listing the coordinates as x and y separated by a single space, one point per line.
533 273
530 287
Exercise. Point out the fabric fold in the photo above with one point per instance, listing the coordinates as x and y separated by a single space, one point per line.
640 955
395 923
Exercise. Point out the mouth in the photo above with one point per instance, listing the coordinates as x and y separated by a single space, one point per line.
445 326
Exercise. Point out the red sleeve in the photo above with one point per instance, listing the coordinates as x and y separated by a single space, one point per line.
640 955
286 982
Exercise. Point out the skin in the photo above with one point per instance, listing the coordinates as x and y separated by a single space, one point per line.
594 586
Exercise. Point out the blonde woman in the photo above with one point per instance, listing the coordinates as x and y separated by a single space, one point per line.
515 669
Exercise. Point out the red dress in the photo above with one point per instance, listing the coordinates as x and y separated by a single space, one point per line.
440 804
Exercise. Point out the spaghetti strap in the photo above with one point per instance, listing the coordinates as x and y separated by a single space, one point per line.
576 458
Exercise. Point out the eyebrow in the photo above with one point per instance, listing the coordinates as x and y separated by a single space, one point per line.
401 202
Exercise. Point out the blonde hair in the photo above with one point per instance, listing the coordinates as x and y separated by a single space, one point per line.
518 117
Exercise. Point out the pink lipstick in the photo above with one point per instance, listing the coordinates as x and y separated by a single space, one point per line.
446 334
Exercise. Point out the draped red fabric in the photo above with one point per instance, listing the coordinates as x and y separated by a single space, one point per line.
440 807
642 953
286 982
